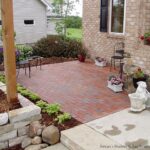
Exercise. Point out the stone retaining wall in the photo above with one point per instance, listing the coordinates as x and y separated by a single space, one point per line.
17 128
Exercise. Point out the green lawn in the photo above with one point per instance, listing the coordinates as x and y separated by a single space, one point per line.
74 33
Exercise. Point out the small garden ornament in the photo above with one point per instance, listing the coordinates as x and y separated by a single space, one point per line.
139 98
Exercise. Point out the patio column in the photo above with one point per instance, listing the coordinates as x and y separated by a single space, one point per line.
9 49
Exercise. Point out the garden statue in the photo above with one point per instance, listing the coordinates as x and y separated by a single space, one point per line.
139 98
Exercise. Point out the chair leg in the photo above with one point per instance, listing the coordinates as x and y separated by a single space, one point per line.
114 64
110 64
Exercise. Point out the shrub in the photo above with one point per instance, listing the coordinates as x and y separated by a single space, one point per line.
53 109
2 78
57 46
63 117
25 51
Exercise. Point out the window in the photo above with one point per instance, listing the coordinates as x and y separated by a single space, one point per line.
0 22
117 16
28 22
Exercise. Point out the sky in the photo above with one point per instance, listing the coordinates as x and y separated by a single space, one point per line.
78 8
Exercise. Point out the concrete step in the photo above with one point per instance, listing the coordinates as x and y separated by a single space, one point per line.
85 138
58 146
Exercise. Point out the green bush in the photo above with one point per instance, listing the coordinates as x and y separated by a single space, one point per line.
25 51
74 22
63 117
2 78
53 109
43 105
57 46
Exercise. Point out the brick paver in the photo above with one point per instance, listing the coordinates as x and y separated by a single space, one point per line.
81 89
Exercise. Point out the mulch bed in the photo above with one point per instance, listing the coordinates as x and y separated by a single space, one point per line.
4 105
51 60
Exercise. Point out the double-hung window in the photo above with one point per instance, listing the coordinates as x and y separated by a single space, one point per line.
116 21
117 16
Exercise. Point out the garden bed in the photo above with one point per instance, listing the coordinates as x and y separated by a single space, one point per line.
51 60
4 105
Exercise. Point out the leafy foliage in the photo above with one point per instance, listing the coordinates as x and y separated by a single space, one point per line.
74 22
53 109
63 117
25 51
43 105
2 78
57 46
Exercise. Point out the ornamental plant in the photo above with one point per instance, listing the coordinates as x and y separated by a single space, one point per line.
63 117
138 73
146 37
115 80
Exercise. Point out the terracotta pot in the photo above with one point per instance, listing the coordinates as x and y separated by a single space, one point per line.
81 58
147 42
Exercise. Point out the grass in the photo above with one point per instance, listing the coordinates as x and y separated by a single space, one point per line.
74 33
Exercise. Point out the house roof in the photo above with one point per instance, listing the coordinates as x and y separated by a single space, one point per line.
48 5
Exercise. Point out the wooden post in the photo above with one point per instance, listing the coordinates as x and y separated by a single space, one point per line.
9 49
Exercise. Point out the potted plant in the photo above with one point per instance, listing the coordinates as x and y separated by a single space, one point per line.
138 76
82 55
100 62
146 38
115 83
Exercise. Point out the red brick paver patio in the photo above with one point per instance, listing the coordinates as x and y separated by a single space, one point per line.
81 89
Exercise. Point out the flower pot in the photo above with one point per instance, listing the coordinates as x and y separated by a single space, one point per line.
135 80
100 64
147 42
115 88
81 58
137 103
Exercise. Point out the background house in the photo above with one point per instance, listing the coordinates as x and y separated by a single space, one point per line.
106 22
30 20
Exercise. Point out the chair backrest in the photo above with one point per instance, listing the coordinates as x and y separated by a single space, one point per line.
119 49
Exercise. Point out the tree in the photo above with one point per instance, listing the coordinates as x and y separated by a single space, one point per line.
63 8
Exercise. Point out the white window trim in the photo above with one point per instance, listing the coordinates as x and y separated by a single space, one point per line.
124 21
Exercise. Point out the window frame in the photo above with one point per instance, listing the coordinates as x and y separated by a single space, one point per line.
110 19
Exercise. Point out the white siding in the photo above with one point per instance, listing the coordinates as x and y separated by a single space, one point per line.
26 10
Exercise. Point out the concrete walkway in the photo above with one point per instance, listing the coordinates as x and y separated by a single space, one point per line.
119 131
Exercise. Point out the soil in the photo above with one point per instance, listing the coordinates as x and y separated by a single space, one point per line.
45 61
4 105
50 120
17 147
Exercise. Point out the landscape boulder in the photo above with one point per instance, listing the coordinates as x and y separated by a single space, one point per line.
51 135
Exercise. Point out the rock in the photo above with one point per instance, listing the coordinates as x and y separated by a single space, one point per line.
23 131
24 113
4 145
8 136
36 140
26 142
3 118
6 128
36 147
51 135
35 129
16 141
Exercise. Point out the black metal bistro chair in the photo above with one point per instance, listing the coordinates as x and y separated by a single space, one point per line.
118 54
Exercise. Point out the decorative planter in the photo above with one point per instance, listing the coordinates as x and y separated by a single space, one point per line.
115 88
146 42
135 80
137 104
81 58
100 64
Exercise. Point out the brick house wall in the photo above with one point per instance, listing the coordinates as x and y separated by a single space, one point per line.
102 43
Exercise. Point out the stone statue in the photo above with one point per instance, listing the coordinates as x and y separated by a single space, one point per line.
139 98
